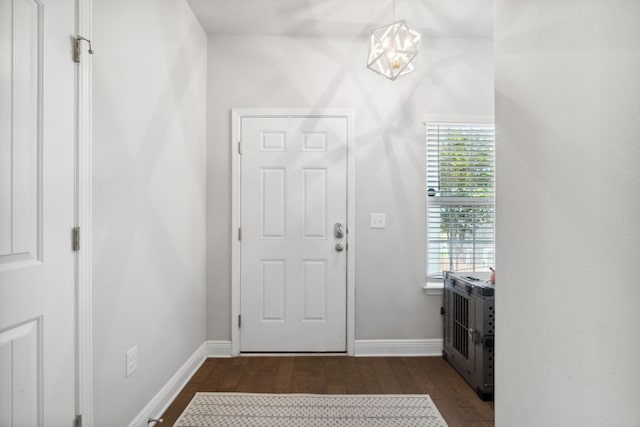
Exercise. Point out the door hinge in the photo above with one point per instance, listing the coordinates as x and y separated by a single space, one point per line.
76 239
78 421
77 50
239 147
239 320
239 233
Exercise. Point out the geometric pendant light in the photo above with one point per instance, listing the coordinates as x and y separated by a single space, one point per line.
392 48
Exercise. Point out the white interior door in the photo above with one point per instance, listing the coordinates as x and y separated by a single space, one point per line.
37 286
293 289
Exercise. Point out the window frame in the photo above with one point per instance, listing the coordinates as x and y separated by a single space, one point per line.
433 285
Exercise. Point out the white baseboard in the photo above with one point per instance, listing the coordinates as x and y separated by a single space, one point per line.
219 349
423 347
167 394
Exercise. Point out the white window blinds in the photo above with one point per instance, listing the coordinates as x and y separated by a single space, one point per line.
460 197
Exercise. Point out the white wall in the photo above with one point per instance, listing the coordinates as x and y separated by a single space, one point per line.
455 76
568 229
149 198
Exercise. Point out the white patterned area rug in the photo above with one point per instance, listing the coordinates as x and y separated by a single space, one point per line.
310 410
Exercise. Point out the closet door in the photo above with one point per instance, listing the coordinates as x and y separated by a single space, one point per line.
37 151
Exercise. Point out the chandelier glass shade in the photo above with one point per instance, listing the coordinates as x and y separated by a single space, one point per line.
392 48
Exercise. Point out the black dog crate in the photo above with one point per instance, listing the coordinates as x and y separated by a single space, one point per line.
469 325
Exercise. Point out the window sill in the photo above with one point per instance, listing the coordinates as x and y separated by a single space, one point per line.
434 288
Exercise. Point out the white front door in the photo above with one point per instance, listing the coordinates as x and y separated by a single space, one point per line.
37 149
293 289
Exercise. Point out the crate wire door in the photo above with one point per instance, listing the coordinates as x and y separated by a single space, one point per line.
461 332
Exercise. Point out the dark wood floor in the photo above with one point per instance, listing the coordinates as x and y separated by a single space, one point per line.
457 402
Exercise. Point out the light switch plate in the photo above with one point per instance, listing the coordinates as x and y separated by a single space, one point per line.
378 220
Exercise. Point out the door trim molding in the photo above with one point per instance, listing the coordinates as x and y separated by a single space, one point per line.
237 114
83 265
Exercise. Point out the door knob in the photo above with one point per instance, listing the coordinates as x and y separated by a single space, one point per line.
339 247
338 230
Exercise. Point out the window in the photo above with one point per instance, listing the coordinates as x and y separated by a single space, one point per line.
460 197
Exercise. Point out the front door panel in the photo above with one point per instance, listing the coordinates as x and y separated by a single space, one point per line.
293 274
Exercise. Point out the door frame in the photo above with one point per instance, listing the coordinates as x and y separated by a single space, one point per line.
237 114
83 220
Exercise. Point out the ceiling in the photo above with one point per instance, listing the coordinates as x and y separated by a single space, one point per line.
432 18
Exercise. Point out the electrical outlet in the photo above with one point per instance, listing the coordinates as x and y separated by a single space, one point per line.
378 220
132 360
